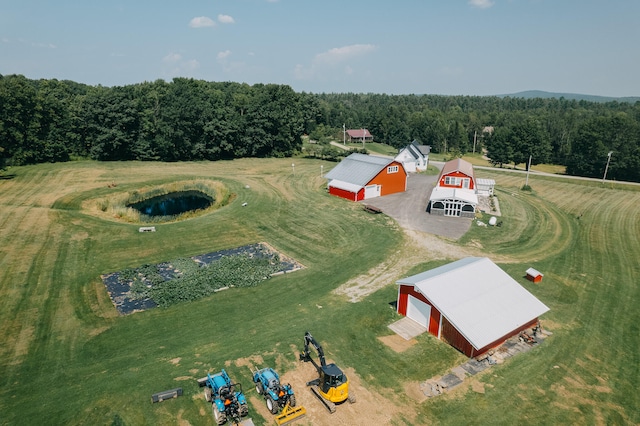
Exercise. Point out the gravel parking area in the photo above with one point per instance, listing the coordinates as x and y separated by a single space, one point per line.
409 208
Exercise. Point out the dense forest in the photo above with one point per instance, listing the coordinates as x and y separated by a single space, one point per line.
187 119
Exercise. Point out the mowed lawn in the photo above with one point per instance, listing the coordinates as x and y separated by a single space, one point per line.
66 357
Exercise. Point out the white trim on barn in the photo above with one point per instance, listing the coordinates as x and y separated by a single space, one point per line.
455 202
340 184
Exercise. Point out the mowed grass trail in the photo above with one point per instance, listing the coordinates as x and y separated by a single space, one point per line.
66 357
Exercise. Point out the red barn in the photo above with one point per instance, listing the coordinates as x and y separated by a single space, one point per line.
360 177
454 193
472 304
457 173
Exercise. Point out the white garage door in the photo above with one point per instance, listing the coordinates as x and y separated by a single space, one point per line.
371 191
418 311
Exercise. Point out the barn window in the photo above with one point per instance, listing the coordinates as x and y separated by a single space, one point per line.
392 169
450 180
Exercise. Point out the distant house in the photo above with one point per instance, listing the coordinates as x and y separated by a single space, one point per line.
471 303
358 135
360 177
454 193
414 157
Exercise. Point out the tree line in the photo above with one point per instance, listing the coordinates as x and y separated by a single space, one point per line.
187 119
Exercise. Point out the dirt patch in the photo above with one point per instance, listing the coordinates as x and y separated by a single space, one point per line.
370 408
413 391
397 343
175 361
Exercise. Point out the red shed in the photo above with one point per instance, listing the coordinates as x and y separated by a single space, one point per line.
360 177
534 275
472 304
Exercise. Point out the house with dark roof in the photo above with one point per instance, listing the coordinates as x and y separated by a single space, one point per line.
471 303
360 176
414 157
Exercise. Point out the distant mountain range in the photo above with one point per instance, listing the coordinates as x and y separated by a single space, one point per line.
530 94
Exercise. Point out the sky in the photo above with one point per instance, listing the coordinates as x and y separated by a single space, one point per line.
443 47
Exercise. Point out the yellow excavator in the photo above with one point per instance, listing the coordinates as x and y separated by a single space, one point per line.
332 385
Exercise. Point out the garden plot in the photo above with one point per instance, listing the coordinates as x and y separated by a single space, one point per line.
188 279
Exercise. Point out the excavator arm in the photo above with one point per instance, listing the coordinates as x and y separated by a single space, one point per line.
306 356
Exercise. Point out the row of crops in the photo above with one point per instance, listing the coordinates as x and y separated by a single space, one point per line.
188 279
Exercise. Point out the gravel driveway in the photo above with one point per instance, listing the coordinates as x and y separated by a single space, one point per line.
409 209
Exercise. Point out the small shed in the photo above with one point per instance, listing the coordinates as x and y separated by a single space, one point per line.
485 187
360 177
534 275
471 303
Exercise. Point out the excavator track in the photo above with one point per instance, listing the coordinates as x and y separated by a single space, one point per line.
328 404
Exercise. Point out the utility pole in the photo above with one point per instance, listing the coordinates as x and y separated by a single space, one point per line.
344 135
362 138
607 166
526 183
475 136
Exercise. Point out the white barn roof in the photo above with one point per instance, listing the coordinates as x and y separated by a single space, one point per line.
440 193
358 169
478 298
345 185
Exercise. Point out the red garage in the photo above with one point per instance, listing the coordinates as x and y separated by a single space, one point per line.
360 177
472 304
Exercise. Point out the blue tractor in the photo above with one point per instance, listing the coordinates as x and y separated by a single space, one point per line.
277 396
226 398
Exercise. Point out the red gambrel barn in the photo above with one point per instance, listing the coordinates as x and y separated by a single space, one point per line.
472 304
455 191
360 177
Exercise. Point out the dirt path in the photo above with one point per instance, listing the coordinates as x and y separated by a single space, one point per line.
419 247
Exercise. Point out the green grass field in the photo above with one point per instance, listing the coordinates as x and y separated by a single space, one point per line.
66 357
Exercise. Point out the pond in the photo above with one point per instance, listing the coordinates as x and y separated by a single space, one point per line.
173 204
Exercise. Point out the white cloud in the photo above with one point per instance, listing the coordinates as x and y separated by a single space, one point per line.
481 4
341 54
223 55
172 57
327 62
226 19
201 21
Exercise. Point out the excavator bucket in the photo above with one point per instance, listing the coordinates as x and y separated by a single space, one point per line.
290 414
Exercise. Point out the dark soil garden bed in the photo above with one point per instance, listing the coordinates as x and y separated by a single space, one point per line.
137 289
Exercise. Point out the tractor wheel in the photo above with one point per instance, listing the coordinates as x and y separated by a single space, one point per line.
207 394
244 410
292 400
221 418
259 388
271 405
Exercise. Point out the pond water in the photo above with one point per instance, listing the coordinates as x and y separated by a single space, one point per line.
173 204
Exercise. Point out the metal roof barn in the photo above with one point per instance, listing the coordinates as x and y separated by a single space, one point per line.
359 177
471 303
